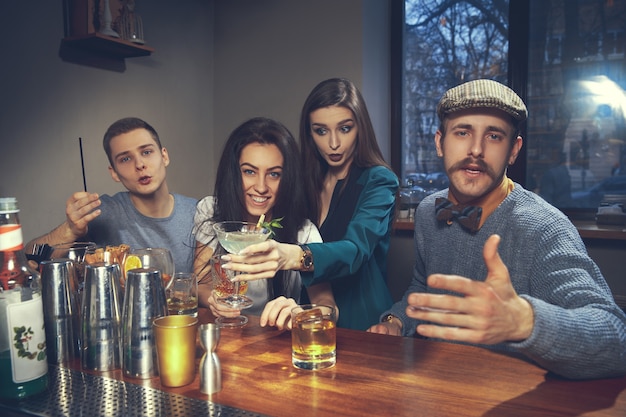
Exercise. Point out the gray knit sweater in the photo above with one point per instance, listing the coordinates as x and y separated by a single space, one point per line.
579 331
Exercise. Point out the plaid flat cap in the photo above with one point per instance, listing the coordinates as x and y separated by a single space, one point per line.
482 94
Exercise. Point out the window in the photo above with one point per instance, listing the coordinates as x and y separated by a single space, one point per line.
567 63
576 101
445 43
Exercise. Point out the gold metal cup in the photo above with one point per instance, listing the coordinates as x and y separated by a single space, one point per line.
176 349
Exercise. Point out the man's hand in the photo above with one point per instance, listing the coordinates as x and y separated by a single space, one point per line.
80 209
490 312
388 327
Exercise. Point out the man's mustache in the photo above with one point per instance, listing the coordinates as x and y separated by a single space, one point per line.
482 165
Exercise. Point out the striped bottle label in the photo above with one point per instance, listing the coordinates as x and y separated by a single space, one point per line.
11 238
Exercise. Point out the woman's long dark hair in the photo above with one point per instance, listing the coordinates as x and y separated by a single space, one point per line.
290 200
334 92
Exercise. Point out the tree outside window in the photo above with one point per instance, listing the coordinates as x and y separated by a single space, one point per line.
446 43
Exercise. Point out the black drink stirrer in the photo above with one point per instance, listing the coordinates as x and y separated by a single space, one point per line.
82 163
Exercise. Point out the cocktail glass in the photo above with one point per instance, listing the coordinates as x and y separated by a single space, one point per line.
234 236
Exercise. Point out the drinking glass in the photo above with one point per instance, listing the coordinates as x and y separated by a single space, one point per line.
313 336
182 294
223 286
158 258
234 236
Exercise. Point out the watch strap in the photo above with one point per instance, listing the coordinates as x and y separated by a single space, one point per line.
306 262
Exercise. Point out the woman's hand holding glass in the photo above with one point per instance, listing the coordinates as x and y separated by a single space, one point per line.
277 312
263 260
220 309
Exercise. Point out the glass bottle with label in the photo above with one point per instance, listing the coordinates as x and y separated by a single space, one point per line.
23 363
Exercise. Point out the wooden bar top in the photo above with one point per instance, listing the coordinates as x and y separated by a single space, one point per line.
394 376
388 376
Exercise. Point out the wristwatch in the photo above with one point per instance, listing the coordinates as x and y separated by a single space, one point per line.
306 263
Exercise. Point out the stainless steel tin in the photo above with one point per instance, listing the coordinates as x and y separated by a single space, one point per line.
144 300
61 315
101 318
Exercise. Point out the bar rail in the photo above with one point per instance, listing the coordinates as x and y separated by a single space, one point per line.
588 229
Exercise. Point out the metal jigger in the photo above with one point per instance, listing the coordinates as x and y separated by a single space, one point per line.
61 316
144 300
210 368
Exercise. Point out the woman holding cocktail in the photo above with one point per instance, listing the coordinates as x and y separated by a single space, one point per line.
350 194
258 175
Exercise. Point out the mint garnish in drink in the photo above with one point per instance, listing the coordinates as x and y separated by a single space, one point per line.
271 225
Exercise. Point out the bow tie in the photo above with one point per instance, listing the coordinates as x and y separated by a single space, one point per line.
467 216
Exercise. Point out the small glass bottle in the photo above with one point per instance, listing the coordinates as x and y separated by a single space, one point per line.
23 362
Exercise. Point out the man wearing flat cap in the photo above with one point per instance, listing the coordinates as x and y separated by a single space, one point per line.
496 265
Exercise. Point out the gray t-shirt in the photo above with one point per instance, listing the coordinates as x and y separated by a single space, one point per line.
120 222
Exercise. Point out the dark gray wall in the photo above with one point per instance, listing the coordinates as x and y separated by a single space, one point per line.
269 55
47 103
216 64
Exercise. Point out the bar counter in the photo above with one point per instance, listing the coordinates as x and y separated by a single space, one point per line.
374 375
588 229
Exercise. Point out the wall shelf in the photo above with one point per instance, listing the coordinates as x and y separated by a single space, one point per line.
115 47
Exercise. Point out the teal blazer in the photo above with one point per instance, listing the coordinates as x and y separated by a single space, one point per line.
356 234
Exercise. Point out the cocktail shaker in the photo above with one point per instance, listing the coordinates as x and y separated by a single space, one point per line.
144 300
210 367
61 315
76 252
101 325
